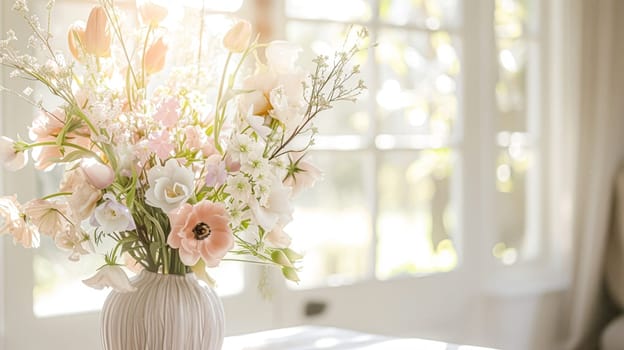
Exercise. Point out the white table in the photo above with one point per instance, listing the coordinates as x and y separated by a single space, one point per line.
324 338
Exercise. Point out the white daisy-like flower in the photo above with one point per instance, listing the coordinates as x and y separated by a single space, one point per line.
240 146
262 189
238 212
239 187
255 164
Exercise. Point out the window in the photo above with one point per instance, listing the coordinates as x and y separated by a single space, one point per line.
386 205
517 130
395 177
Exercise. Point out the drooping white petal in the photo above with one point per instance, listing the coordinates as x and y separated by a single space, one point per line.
110 276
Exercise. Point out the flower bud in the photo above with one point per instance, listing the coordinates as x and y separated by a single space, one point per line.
154 59
292 255
237 38
290 274
76 38
97 34
99 175
151 13
280 258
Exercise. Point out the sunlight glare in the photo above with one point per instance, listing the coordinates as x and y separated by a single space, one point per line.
508 61
215 5
510 256
389 97
326 343
503 172
417 116
446 53
445 84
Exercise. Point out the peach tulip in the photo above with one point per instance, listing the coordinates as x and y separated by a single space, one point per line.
151 13
76 38
154 59
97 33
237 38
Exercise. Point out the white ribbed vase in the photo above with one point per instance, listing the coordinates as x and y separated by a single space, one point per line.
166 312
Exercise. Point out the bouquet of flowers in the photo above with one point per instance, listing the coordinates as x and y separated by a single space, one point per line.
169 164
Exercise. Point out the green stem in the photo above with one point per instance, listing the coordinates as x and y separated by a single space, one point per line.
147 35
218 122
58 194
249 261
25 146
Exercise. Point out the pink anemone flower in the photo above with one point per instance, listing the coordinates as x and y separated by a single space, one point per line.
200 230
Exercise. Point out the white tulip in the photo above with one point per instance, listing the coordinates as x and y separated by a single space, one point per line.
170 186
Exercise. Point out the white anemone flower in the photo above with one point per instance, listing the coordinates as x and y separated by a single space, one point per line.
110 276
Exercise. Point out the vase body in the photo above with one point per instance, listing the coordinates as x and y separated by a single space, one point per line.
166 312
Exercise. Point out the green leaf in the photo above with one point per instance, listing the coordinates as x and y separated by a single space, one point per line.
154 248
110 154
74 155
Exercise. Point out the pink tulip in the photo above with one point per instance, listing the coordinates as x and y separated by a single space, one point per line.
76 38
97 33
237 38
154 59
151 13
99 175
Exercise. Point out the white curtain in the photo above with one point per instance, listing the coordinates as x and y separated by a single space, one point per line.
600 154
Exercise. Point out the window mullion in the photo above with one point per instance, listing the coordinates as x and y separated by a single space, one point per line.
477 151
373 182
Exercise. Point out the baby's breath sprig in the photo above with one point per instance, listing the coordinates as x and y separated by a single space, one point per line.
332 80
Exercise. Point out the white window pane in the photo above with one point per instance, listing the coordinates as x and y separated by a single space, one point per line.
429 14
416 219
419 75
343 10
332 222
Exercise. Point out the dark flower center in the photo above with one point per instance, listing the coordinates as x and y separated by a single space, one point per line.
201 231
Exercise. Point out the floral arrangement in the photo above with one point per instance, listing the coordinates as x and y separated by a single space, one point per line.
169 165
